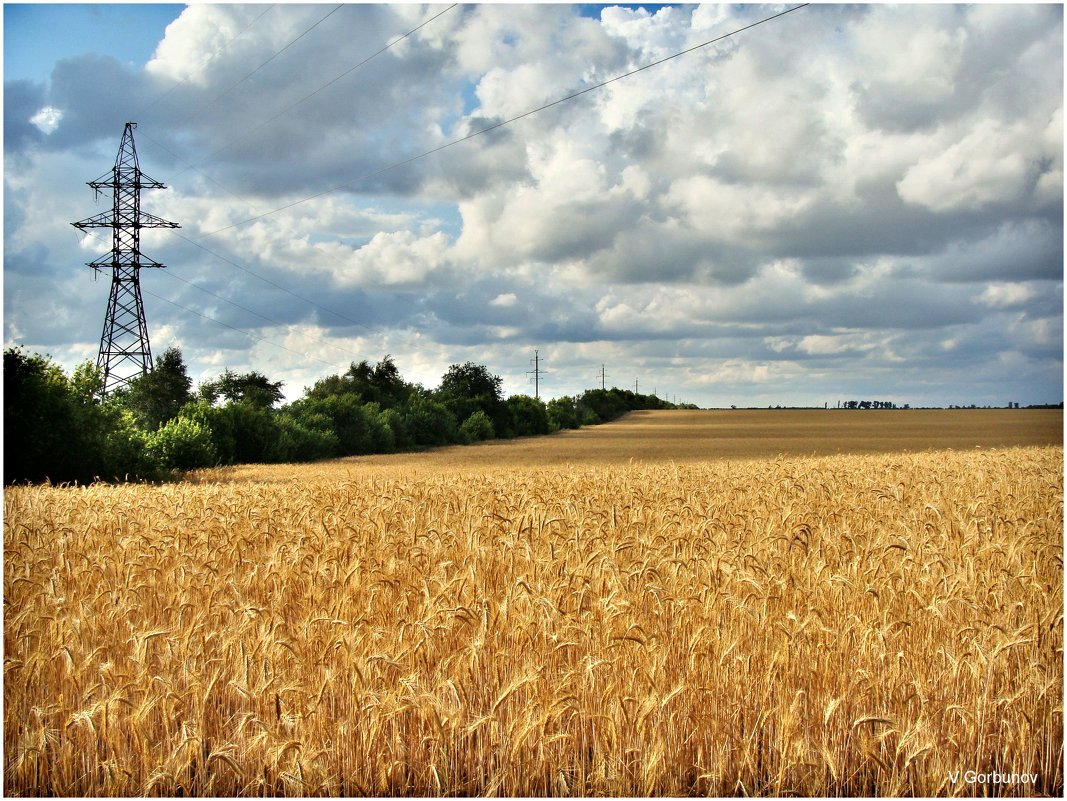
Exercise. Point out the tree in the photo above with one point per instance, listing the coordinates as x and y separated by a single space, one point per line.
358 426
528 416
254 388
381 384
58 428
182 444
158 396
468 388
428 422
562 413
302 439
390 388
241 433
476 428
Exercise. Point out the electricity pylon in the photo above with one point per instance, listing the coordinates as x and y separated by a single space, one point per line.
537 372
125 353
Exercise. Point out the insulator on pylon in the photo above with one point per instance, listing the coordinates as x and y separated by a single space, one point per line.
125 352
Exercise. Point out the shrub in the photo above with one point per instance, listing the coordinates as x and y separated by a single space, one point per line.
181 444
476 428
303 439
562 414
428 422
528 416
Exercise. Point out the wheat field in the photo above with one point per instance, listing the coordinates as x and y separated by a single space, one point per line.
875 624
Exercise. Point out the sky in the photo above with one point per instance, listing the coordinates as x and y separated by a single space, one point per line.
843 203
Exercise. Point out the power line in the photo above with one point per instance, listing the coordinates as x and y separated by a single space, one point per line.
493 127
260 125
306 97
214 55
194 164
402 163
537 372
238 330
292 42
270 320
276 285
219 322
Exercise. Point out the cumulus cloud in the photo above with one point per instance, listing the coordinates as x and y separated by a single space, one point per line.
840 196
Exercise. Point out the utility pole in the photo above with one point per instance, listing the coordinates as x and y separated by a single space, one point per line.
124 350
536 373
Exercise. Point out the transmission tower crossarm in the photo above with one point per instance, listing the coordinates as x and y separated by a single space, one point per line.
110 181
125 352
105 219
146 220
537 372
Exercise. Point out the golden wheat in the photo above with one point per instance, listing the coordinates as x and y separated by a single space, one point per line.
840 625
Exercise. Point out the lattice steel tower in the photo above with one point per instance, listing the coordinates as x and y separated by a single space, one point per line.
124 350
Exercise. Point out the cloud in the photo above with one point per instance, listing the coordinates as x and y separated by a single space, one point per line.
22 100
47 119
985 167
1005 295
845 197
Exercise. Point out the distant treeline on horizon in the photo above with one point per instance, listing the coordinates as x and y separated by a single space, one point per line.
60 428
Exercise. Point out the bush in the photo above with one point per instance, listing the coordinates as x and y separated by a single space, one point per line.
562 414
181 444
303 439
428 422
126 450
357 425
476 428
394 430
57 428
242 433
528 416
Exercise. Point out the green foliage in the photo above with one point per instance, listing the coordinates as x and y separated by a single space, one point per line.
252 388
181 444
303 438
468 388
380 384
604 405
476 428
562 414
158 396
126 449
358 426
428 422
394 429
241 433
528 416
57 429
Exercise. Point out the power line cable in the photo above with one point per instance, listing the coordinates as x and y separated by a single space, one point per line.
177 277
306 97
277 53
219 322
239 330
271 119
278 286
404 162
270 320
493 127
349 320
214 56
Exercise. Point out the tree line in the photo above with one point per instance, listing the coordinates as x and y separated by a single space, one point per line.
61 428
